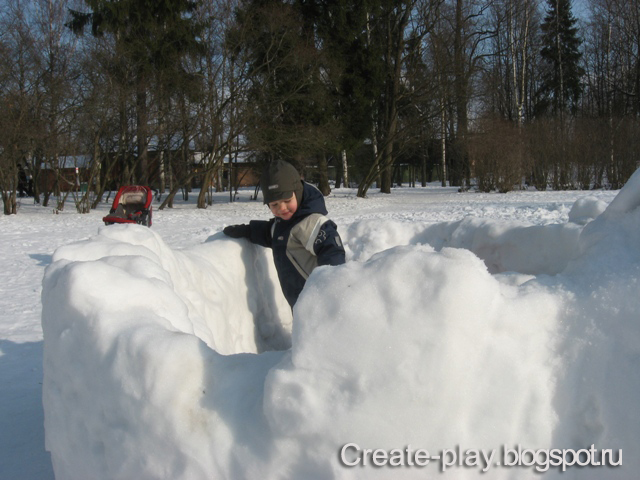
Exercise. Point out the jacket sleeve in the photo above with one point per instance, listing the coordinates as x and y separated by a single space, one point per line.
328 245
261 232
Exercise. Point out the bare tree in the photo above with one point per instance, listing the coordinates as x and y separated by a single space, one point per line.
19 83
396 21
612 88
56 51
225 91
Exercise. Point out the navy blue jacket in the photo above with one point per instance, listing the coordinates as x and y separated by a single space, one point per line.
300 244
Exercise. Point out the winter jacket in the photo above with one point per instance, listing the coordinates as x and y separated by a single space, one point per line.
300 244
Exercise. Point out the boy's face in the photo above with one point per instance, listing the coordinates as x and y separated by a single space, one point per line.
284 209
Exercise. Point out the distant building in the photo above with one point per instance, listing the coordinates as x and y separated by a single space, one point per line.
245 173
72 170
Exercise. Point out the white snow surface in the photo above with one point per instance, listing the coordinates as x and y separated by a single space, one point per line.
461 322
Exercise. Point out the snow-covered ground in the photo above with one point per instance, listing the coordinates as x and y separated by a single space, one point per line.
469 326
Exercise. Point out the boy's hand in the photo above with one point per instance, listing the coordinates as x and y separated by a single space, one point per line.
237 231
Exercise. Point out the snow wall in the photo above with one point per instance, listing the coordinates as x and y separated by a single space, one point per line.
470 336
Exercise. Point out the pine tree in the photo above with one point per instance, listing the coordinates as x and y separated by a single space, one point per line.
287 115
561 83
152 38
353 61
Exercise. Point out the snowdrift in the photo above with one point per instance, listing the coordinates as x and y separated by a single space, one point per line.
449 338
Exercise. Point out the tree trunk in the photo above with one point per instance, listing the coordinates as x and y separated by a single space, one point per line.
202 196
168 202
9 199
142 173
460 165
323 171
386 174
345 169
443 141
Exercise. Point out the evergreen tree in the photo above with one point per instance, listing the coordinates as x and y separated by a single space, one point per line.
561 81
354 66
152 38
287 115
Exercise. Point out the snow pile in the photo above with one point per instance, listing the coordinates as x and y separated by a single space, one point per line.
586 209
130 270
131 329
420 348
504 246
600 346
463 335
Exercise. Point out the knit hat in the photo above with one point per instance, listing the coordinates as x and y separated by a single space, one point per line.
279 181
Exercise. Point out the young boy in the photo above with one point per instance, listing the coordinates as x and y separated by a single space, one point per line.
300 235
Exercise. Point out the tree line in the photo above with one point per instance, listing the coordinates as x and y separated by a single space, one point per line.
494 94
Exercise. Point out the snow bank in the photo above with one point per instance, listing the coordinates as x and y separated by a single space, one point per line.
156 361
504 246
416 347
135 334
197 292
600 348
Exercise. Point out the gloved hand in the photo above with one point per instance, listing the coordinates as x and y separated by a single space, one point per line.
237 231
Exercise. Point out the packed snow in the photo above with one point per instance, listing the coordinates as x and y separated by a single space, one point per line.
467 333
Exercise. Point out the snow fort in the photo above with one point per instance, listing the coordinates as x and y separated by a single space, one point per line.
463 348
